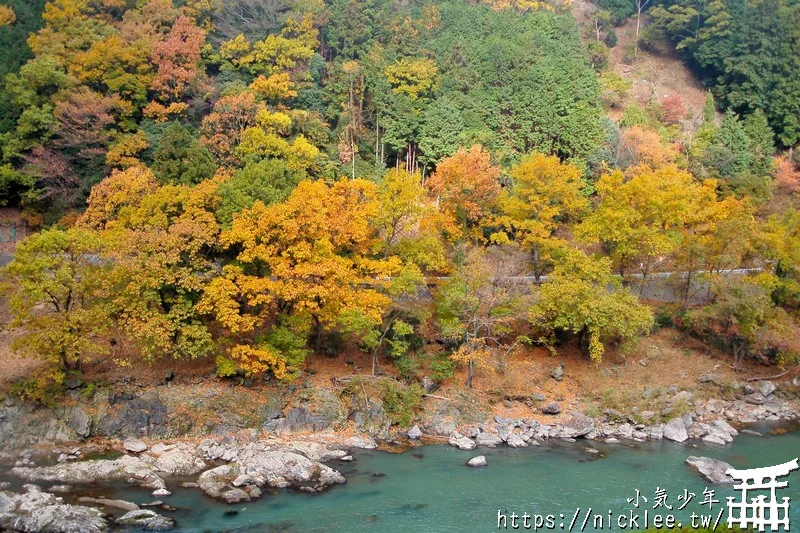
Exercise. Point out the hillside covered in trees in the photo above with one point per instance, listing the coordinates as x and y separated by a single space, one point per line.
253 181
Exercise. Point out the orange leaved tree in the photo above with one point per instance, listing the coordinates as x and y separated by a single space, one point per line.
301 266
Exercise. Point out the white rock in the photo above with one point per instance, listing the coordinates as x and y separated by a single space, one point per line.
711 470
675 430
161 492
83 472
727 428
488 439
134 445
477 461
713 439
461 442
42 511
516 441
242 479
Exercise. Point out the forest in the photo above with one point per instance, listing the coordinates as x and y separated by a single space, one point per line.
255 181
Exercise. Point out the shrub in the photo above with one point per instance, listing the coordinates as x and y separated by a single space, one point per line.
44 387
674 110
226 367
400 403
407 366
611 38
598 55
615 88
442 368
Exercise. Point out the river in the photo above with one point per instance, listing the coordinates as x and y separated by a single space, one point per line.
430 489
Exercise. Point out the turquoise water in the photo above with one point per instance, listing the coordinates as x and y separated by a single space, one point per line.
429 488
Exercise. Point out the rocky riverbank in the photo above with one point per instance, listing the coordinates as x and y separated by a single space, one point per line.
711 421
232 469
296 443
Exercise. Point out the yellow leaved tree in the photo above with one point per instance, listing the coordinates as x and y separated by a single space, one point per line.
301 266
545 196
158 239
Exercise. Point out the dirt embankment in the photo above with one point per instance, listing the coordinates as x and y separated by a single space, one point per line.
338 395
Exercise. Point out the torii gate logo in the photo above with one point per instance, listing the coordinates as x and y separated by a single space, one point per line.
760 512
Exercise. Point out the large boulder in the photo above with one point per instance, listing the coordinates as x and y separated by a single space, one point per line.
477 461
257 468
551 409
146 520
284 469
37 511
724 426
181 461
515 440
488 439
712 470
217 481
577 425
675 430
766 388
134 445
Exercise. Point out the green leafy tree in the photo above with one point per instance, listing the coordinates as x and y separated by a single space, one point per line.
619 10
761 141
581 297
268 181
181 159
58 293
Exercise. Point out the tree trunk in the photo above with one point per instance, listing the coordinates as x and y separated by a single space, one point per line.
645 273
470 373
317 334
640 5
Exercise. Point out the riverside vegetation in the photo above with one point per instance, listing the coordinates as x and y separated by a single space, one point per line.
382 217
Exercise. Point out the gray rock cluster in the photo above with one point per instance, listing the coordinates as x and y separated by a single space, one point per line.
82 472
38 511
146 520
707 420
258 467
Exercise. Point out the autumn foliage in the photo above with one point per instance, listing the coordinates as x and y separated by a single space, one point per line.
321 177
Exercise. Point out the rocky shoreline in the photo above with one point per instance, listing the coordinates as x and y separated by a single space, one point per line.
240 466
711 421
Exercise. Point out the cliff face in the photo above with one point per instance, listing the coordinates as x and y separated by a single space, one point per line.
155 412
194 411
